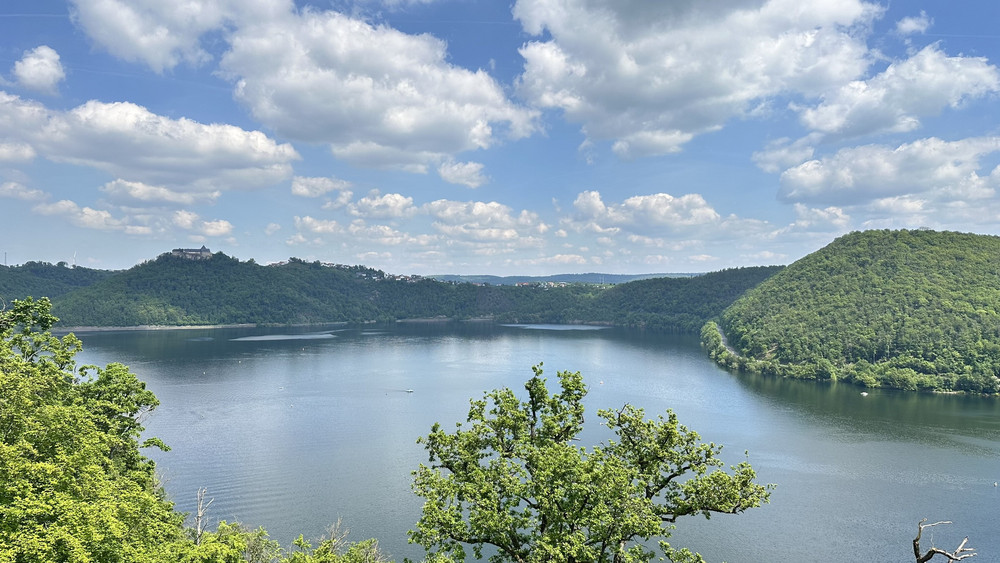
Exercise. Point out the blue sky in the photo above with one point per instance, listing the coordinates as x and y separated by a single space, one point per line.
484 137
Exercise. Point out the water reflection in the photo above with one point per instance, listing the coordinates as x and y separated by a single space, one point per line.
291 432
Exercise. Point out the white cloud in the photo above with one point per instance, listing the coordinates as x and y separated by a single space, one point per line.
784 153
894 100
383 234
296 239
383 206
317 226
914 24
865 173
19 191
485 222
190 221
650 76
16 152
815 220
216 228
158 34
132 143
642 214
377 96
137 191
85 217
40 70
271 228
185 219
316 187
465 173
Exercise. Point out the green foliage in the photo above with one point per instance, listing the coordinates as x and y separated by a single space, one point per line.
42 278
513 479
913 310
678 304
73 486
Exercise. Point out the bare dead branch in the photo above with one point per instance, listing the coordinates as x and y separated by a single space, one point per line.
199 515
960 553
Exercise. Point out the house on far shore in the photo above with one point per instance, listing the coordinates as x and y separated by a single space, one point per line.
202 253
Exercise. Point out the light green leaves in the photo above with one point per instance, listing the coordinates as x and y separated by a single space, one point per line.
510 481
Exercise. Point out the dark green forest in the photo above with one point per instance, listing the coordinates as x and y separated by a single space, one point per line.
42 278
223 290
914 310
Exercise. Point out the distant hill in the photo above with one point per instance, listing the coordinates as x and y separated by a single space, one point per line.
558 278
902 309
42 278
172 290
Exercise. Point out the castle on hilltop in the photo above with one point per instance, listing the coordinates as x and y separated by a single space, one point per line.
202 253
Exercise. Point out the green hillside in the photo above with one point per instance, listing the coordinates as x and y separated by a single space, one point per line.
679 304
42 278
901 309
223 290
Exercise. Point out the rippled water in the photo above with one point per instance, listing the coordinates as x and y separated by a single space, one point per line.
293 429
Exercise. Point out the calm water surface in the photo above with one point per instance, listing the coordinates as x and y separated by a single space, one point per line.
293 429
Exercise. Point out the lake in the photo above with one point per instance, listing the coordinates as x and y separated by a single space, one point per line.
294 428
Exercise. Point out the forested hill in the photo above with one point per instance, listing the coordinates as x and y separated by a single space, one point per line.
42 278
223 290
903 309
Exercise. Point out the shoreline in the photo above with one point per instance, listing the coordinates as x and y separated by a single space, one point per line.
76 329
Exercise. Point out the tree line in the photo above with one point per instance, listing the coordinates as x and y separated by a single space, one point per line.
224 290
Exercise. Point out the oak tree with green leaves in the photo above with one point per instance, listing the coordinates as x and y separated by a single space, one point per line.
512 484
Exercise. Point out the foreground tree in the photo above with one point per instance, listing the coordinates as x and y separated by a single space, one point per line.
512 479
73 484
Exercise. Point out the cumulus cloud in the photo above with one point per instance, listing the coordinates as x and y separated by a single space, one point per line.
784 153
16 152
40 70
485 222
17 190
85 217
651 76
317 226
383 206
465 173
163 34
386 235
861 174
132 143
644 213
894 100
190 221
377 96
914 24
316 187
816 220
140 192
